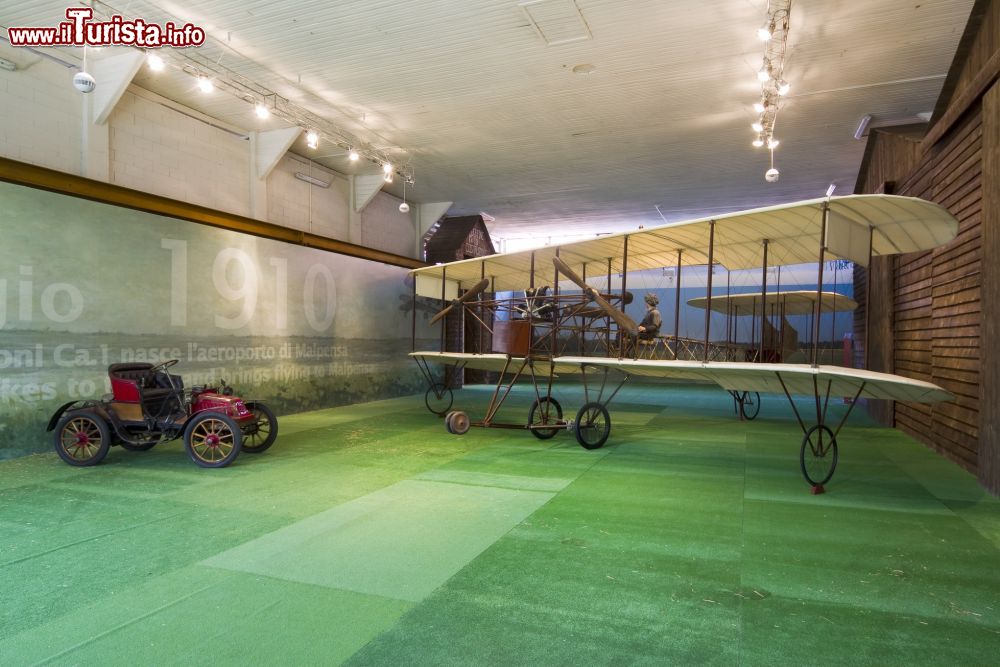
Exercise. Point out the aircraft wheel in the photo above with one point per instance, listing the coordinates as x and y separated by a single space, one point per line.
447 421
750 405
818 455
593 426
82 439
438 398
459 423
544 411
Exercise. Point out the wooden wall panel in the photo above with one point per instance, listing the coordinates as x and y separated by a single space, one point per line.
938 295
988 468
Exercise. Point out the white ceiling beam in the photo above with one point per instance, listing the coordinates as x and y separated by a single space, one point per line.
364 187
113 75
429 213
270 146
424 217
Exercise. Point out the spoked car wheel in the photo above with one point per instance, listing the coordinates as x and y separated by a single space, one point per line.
438 398
593 426
82 439
544 411
259 435
818 455
212 439
750 405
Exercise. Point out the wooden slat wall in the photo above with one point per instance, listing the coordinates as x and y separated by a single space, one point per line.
938 309
937 298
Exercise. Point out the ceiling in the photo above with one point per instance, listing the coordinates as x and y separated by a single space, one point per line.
487 111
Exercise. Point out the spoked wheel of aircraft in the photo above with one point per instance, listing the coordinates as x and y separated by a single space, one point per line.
438 398
593 425
457 422
544 411
750 405
818 455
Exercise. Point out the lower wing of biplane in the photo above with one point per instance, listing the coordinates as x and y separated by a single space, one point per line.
818 452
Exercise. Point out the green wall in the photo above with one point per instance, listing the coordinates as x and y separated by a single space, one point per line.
84 285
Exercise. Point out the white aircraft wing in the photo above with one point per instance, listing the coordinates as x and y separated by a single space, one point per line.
776 378
491 362
857 226
797 302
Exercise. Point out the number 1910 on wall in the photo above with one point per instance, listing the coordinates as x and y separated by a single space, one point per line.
237 279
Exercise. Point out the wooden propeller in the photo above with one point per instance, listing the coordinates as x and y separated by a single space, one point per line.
471 294
625 323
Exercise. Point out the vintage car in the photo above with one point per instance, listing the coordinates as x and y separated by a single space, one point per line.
149 405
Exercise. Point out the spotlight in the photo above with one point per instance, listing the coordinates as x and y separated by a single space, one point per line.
765 32
763 74
353 155
387 167
759 107
772 143
784 87
155 62
205 84
758 141
312 139
261 110
757 127
771 175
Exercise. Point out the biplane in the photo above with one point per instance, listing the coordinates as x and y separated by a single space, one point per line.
604 357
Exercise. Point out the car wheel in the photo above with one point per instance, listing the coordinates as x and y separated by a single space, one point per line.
212 439
259 435
82 439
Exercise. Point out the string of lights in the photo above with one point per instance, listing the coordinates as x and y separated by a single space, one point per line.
771 75
265 102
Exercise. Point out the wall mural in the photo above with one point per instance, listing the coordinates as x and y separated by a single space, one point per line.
84 285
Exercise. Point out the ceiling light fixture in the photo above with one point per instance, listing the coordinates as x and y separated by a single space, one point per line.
387 167
772 174
155 62
773 84
210 74
353 155
862 127
311 179
261 110
404 207
312 139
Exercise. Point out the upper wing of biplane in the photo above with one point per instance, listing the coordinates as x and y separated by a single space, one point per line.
798 302
854 227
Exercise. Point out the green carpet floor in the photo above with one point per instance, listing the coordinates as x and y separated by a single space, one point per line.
369 536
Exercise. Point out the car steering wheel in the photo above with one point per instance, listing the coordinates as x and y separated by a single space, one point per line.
163 365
